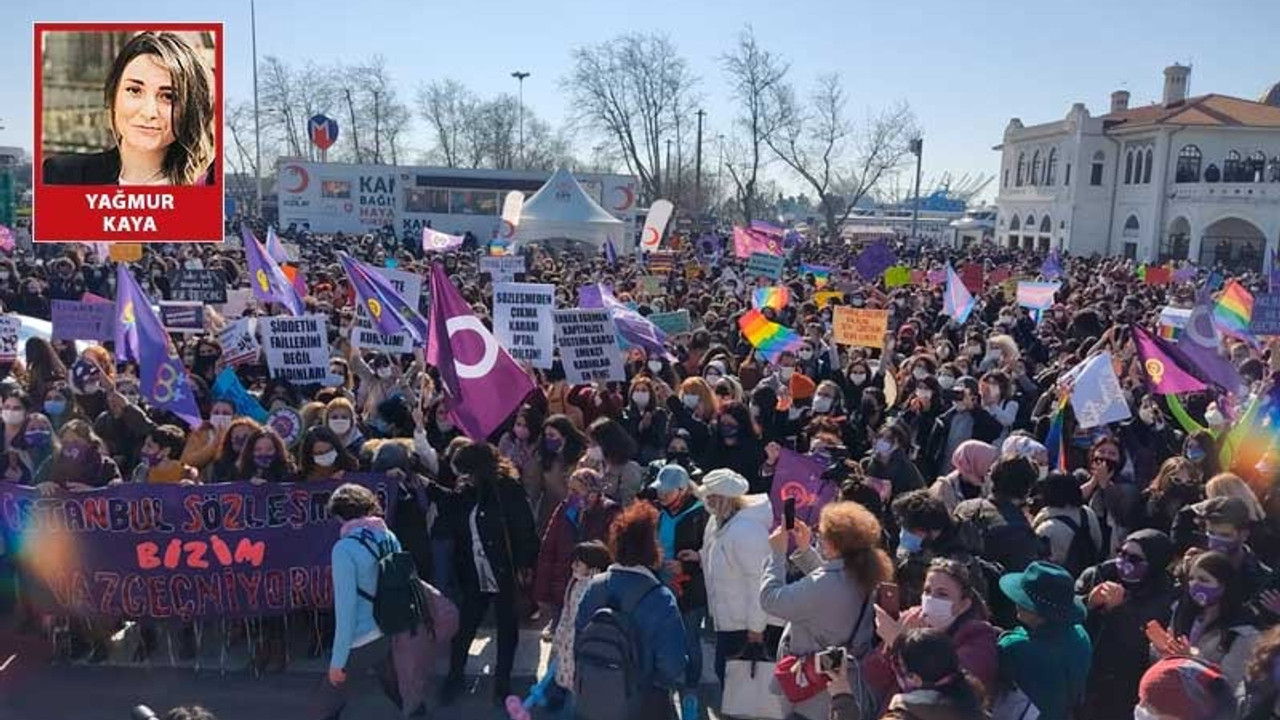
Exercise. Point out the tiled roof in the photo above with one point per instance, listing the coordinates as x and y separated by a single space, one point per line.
1202 110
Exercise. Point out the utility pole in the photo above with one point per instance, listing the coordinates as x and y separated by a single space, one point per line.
667 183
257 124
520 75
377 130
697 164
351 110
917 149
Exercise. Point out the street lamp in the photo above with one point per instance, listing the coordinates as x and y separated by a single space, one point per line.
520 75
917 148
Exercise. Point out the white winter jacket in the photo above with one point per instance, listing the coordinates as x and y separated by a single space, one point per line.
733 558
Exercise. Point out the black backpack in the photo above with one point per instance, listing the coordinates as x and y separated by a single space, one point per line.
1082 553
606 656
400 604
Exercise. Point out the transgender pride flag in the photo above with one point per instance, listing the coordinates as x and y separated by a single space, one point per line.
1037 296
956 302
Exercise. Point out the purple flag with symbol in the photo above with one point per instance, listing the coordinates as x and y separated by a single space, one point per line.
141 337
631 326
1201 343
800 477
874 260
390 314
1167 370
270 284
434 241
483 383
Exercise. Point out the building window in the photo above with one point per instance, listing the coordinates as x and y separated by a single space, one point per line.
1131 227
1022 169
1273 169
1212 174
1233 168
1256 168
1046 225
1051 167
1035 169
1006 177
1188 164
1095 170
1128 168
1015 223
1146 171
1131 251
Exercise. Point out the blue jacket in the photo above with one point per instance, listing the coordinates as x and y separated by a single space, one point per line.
355 569
657 617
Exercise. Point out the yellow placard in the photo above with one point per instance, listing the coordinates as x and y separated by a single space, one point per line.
125 252
861 327
897 276
825 297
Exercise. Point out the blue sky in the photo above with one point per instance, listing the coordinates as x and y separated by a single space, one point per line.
965 68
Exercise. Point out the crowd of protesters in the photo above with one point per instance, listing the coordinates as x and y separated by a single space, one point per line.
966 566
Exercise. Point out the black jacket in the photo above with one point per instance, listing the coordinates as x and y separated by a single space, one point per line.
691 522
504 521
100 168
985 428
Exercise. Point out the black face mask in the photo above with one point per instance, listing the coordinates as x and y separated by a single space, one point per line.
679 458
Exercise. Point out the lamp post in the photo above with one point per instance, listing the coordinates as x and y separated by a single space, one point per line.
917 149
257 125
520 75
697 164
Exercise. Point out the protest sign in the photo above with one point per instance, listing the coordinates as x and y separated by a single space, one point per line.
588 346
160 552
297 347
237 302
366 337
206 286
182 317
287 422
971 275
800 477
769 266
653 285
1159 275
999 275
239 345
897 276
1266 314
502 268
523 321
859 326
83 320
125 252
660 263
672 322
825 297
10 326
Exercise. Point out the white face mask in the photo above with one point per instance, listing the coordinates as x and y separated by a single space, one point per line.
690 401
326 459
786 373
946 381
655 366
823 403
220 420
920 373
858 378
641 399
384 372
806 354
595 454
340 426
13 417
936 611
1214 417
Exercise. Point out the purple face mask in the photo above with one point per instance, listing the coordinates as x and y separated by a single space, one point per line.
1226 546
263 461
1130 571
1204 595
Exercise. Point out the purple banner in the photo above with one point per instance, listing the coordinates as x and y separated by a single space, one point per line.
74 320
874 260
178 551
800 476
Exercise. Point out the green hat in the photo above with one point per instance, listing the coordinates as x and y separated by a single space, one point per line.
1046 590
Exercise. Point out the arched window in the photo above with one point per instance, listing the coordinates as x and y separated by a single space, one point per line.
1128 168
1146 171
1131 226
1273 169
1022 169
1095 169
1188 164
1035 169
1212 174
1137 166
1255 169
1051 167
1015 223
1046 224
1233 168
1006 177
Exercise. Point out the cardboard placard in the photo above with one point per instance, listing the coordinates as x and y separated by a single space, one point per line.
973 278
769 266
182 317
1266 313
204 286
239 344
897 276
502 268
523 321
861 327
297 347
10 326
672 322
74 320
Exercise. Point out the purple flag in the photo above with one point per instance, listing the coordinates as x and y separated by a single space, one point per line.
1052 267
390 314
1168 371
610 252
274 248
874 260
767 228
141 337
269 282
1186 273
1200 343
433 241
632 327
800 477
483 384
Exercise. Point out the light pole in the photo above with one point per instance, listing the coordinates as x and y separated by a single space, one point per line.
917 149
520 75
667 189
697 164
257 125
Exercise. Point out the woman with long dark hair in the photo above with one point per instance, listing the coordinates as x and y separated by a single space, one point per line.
44 368
1210 619
321 456
612 451
235 438
563 444
1262 679
265 459
735 445
934 686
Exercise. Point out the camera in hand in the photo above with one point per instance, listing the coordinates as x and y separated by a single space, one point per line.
831 659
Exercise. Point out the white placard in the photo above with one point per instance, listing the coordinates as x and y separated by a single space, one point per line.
366 337
297 347
588 346
238 300
239 344
9 327
523 321
502 268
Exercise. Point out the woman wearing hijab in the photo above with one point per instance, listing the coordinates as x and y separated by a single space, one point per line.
1122 595
970 462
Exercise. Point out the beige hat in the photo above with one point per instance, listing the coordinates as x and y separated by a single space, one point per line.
722 482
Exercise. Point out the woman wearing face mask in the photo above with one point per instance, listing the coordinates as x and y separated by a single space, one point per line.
563 445
1122 595
82 462
866 420
921 409
1201 449
971 461
204 441
584 515
13 414
1262 679
521 444
998 400
1210 620
340 417
44 367
321 456
951 605
888 460
208 352
1177 486
59 406
1148 440
857 379
645 420
612 451
692 411
30 452
737 447
934 685
265 459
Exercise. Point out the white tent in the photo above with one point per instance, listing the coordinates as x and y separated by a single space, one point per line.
561 210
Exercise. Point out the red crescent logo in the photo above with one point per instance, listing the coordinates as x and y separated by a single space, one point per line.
508 229
656 238
301 174
629 193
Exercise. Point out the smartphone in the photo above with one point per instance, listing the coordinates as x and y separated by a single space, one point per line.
889 599
831 659
789 513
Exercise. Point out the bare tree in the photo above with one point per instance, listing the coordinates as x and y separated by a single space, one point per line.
447 106
822 145
278 102
626 89
755 74
240 157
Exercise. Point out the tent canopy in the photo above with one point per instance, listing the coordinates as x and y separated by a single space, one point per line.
561 210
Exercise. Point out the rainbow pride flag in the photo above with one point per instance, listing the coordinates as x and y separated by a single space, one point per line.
821 274
769 338
1233 311
771 297
1056 441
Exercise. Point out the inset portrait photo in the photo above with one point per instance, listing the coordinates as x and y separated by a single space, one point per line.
128 132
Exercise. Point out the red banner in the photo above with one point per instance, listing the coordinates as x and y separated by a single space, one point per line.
108 213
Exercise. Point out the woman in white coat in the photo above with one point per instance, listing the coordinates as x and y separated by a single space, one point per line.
735 546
